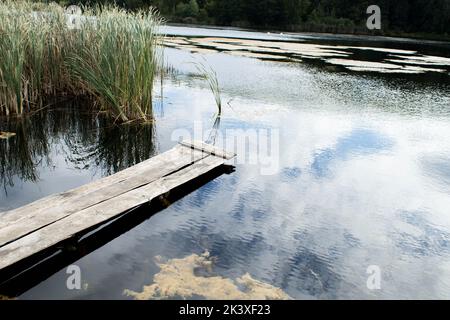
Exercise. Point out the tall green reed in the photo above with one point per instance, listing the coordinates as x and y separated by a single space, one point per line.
113 58
210 75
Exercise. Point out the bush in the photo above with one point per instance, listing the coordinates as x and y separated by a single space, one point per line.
190 9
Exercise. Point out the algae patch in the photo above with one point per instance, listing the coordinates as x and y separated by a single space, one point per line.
381 67
396 60
177 278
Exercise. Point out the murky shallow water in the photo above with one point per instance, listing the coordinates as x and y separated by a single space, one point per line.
362 178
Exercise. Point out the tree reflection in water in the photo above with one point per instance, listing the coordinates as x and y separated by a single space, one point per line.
86 140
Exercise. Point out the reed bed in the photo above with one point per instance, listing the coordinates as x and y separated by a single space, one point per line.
112 58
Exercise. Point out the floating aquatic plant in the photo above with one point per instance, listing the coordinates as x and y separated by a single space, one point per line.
178 278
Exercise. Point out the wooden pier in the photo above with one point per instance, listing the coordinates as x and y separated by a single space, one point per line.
47 222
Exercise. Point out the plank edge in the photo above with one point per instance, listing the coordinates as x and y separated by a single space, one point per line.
208 148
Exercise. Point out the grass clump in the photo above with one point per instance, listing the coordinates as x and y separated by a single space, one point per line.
112 58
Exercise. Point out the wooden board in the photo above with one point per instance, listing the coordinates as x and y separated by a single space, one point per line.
45 223
209 149
14 226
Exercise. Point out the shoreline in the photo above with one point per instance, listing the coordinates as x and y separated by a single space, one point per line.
390 36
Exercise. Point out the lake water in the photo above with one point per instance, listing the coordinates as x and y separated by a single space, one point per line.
359 175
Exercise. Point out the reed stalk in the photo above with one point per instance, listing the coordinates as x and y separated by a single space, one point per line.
210 75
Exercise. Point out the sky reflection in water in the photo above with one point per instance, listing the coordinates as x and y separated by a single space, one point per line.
363 180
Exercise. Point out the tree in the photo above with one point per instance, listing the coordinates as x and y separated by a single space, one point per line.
415 16
189 9
193 8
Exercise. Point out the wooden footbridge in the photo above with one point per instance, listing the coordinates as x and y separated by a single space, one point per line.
45 223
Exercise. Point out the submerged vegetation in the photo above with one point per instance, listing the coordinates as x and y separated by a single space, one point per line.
110 57
180 278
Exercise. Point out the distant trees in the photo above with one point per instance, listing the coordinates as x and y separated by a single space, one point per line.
400 16
188 9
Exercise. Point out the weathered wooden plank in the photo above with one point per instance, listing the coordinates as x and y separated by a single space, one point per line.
60 197
207 148
14 226
100 213
84 189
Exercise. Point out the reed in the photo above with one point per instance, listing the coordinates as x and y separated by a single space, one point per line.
210 75
112 59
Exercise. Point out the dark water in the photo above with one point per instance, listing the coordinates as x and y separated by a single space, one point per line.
361 178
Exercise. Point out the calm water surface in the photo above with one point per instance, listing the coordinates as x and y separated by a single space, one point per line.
363 178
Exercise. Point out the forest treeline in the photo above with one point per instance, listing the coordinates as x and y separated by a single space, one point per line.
421 17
